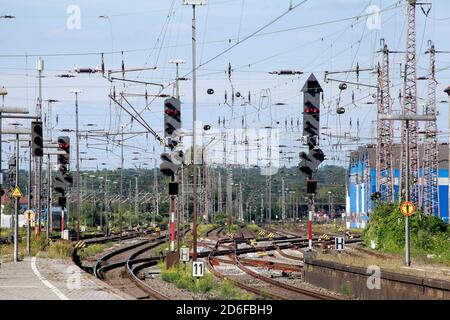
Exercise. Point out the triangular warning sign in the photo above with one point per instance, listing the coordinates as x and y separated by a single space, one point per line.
17 193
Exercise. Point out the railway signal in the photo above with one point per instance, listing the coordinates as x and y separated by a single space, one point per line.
167 166
64 145
172 120
311 111
12 170
311 132
311 162
37 141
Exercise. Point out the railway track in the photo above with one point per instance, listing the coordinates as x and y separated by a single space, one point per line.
248 279
214 233
244 233
121 268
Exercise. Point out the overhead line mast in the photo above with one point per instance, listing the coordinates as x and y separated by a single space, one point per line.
430 171
385 172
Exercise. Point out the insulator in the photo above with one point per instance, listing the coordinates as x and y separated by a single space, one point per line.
123 67
340 110
357 71
103 65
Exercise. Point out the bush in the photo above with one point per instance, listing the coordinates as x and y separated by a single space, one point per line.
428 234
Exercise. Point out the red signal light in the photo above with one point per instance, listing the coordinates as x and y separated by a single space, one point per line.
308 110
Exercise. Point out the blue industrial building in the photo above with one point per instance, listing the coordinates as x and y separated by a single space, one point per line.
361 184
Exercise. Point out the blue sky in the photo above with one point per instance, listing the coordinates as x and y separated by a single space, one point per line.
151 33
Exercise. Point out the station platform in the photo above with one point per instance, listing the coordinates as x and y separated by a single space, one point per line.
37 278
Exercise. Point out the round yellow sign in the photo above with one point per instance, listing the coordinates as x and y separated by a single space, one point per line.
407 208
29 215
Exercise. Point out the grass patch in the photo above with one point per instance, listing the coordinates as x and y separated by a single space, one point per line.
228 291
94 249
36 245
60 249
182 278
253 228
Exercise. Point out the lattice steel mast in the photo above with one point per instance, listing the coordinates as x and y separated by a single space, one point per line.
385 172
410 107
431 155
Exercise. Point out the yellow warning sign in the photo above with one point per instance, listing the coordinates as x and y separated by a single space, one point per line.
17 193
407 208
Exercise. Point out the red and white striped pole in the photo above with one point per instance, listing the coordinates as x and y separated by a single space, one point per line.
172 230
310 220
310 229
62 222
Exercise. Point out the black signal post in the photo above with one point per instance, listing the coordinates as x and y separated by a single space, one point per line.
311 133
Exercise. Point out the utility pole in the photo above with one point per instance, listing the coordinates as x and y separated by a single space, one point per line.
283 201
229 190
219 193
16 206
3 93
30 152
136 205
155 210
194 120
121 182
447 91
262 208
77 138
49 127
182 203
130 190
207 174
38 160
241 203
106 203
